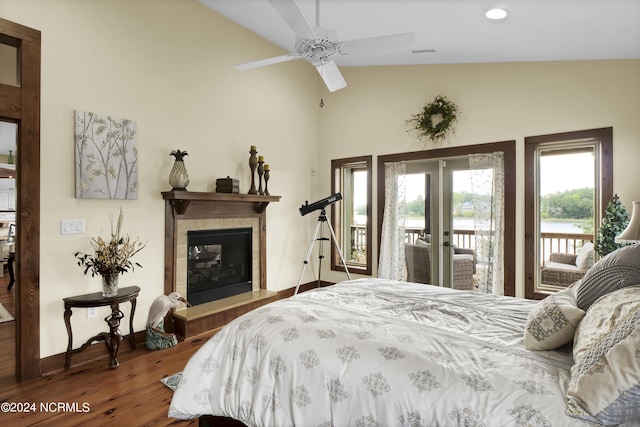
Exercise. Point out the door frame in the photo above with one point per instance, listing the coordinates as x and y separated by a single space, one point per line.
21 105
509 150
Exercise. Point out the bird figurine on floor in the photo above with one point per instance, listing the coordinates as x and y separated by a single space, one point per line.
156 338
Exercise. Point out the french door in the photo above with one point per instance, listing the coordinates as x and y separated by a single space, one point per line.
412 159
447 222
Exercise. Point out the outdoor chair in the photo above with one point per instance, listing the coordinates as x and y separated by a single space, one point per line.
418 263
563 269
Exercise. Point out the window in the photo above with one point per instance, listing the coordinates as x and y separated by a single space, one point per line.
351 217
568 184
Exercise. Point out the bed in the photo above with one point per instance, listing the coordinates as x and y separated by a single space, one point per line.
374 352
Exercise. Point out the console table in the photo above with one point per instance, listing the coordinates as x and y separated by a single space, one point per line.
114 336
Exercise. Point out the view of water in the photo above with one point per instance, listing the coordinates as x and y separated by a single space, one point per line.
467 224
545 226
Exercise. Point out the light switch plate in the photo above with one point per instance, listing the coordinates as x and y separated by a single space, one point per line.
92 311
72 226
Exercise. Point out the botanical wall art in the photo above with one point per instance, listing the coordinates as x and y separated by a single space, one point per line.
106 157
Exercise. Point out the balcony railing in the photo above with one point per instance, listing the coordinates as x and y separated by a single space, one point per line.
567 243
550 242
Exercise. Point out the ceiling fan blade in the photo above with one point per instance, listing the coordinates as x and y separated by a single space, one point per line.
377 44
331 76
290 12
263 62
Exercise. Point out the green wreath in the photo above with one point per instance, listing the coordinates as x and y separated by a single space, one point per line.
425 122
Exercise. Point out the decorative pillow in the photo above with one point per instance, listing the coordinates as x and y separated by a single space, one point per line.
553 321
605 378
617 270
584 260
421 242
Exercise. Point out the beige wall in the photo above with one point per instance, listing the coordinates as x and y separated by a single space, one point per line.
498 102
167 65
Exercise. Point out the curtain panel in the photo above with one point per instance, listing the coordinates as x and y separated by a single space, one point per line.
391 263
487 186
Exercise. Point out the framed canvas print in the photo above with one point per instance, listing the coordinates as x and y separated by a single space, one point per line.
106 157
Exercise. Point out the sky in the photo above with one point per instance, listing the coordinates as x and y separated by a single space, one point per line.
566 172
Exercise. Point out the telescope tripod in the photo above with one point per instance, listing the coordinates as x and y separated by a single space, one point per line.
322 219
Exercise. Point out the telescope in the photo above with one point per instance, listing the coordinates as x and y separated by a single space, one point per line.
320 204
322 219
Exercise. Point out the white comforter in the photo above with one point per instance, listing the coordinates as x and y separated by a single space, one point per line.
372 352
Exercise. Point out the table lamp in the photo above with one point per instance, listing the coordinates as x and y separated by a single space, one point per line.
631 234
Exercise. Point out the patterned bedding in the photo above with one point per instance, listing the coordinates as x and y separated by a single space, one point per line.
373 352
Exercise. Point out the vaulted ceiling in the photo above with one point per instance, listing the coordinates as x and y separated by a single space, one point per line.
457 31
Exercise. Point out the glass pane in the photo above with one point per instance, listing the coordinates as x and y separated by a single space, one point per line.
8 138
357 252
566 213
9 65
415 206
354 202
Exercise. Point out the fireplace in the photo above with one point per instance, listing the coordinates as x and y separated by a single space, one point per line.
190 219
219 264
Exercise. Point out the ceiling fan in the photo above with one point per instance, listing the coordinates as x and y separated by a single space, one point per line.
319 45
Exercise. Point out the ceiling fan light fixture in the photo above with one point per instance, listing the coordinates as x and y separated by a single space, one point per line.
496 13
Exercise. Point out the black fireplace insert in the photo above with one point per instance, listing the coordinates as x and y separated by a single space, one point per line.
219 264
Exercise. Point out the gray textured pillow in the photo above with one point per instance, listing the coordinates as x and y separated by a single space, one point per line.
619 269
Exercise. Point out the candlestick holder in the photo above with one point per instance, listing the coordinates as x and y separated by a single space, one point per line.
260 173
253 163
267 172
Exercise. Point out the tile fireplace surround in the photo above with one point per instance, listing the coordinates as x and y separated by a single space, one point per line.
187 211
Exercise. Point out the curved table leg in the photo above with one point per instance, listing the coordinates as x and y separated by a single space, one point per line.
132 338
67 322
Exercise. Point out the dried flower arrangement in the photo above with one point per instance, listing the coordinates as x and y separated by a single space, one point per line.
113 256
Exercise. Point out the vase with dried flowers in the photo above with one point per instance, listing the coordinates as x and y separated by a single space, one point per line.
111 258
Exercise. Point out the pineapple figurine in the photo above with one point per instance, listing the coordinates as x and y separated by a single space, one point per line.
178 177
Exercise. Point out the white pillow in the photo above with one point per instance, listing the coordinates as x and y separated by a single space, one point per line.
605 378
584 260
553 321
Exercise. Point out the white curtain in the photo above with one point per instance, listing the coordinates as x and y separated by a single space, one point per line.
487 186
391 264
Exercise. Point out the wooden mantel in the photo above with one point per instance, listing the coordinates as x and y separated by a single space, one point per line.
181 199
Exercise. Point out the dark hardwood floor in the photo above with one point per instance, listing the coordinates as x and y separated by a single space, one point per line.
131 395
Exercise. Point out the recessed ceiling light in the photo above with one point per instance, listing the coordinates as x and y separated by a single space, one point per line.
496 13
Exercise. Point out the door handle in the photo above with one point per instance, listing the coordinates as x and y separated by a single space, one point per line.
446 244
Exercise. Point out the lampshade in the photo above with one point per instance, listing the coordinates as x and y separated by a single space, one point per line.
632 232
